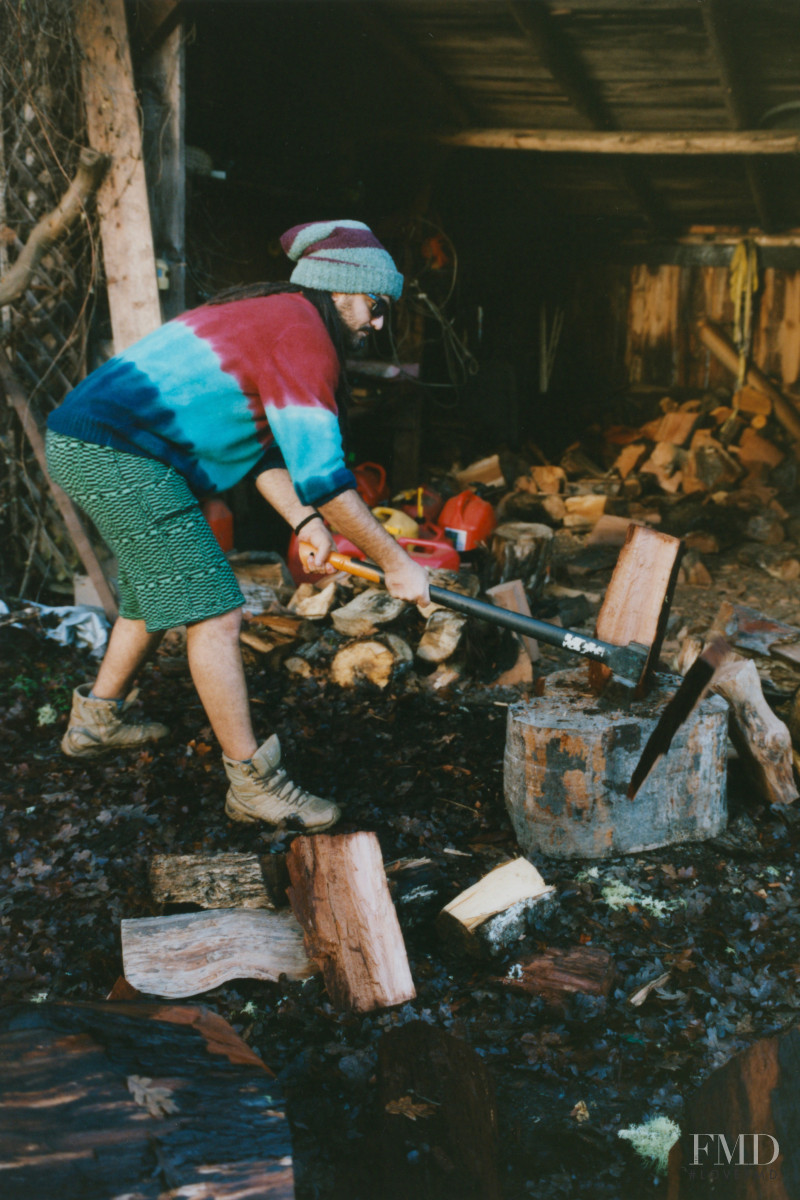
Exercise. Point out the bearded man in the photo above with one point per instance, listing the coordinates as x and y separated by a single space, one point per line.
249 384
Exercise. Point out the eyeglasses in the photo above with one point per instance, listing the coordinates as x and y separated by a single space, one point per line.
379 306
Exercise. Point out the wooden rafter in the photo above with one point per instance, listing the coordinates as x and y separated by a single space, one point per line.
728 63
542 33
373 19
719 142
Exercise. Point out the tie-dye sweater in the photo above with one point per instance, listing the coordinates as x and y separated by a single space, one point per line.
222 391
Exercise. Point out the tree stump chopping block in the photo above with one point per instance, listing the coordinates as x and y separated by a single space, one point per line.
569 758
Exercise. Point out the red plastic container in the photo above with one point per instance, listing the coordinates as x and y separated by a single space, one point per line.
220 518
467 520
423 504
434 555
371 483
296 567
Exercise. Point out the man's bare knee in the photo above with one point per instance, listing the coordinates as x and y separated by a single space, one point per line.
225 627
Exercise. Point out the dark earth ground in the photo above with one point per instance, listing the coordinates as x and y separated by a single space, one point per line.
424 771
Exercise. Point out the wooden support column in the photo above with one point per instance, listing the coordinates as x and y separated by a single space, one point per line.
162 78
113 124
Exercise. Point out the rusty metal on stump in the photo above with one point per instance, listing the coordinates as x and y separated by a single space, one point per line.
569 758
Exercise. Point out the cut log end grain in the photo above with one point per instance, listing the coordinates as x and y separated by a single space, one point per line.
370 661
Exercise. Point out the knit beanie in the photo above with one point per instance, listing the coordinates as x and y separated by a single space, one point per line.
341 256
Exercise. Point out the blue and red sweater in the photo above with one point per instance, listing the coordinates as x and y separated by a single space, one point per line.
220 392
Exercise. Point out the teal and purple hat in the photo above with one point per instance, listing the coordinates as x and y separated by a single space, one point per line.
341 256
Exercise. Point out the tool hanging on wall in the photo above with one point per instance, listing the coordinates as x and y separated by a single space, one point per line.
743 284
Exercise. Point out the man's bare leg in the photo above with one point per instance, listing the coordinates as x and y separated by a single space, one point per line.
215 661
129 646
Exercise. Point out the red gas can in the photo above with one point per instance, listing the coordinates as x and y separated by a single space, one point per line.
422 503
220 518
433 555
467 520
371 483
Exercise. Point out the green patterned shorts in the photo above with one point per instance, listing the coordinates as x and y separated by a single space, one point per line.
171 568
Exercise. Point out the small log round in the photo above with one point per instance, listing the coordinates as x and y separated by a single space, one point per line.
570 756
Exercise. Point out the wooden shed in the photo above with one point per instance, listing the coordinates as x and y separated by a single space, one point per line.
567 187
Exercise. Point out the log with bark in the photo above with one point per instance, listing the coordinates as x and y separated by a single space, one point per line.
219 880
522 550
443 634
557 974
372 660
341 898
367 612
498 910
741 1128
440 1125
762 740
190 953
98 1097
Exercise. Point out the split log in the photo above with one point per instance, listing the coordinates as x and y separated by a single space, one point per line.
340 896
666 463
676 427
511 595
726 352
367 612
753 400
94 1095
610 531
374 661
630 459
190 953
547 480
313 603
520 673
709 467
522 550
498 910
752 630
762 740
557 974
751 1103
583 511
486 471
636 604
532 508
440 1126
219 880
92 166
443 633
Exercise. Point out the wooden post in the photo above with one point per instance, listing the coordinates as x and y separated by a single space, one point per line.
340 896
113 124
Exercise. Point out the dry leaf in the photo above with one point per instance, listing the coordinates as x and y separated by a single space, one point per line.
406 1107
580 1112
157 1100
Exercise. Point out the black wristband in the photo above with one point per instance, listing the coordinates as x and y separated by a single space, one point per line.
311 517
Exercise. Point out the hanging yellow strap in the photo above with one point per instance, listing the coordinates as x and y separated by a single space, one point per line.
743 283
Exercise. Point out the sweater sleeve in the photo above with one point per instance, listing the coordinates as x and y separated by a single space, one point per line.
298 389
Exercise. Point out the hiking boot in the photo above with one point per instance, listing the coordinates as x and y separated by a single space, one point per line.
261 791
99 726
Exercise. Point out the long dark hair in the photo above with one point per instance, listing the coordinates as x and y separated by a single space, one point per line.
323 303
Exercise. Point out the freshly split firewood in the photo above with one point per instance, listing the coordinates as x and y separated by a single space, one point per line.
522 550
497 910
313 603
584 511
367 612
436 1099
370 661
557 974
340 896
219 880
762 740
637 600
443 633
190 953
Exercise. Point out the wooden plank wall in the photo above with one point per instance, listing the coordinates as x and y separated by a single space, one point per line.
664 305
